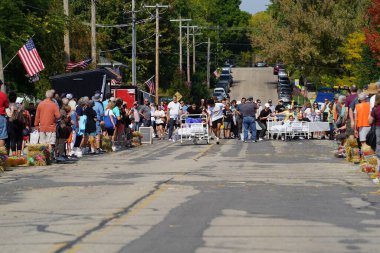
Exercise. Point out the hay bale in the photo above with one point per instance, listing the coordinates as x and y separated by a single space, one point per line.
107 144
352 142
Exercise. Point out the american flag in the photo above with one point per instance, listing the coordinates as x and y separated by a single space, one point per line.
296 91
82 64
150 84
30 58
115 82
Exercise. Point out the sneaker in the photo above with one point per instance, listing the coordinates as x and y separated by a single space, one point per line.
217 140
254 141
71 153
79 153
245 141
261 139
283 138
113 148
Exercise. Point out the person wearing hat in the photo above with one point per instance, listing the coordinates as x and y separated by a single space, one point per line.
280 107
372 90
72 102
248 111
4 103
98 108
263 117
271 106
362 112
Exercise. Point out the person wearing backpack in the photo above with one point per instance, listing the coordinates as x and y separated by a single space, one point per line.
16 125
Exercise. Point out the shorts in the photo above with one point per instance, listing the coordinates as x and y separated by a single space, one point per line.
110 132
3 128
47 138
98 128
216 122
227 124
160 124
363 131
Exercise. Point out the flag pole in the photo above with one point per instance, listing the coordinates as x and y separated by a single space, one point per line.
16 54
149 79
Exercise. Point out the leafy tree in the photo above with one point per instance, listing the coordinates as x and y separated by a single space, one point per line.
308 34
372 31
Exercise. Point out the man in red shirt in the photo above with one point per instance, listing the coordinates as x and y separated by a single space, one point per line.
4 103
46 118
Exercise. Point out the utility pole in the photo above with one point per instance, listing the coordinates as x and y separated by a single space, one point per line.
66 38
134 81
93 31
193 50
180 20
157 76
194 63
2 72
208 62
188 53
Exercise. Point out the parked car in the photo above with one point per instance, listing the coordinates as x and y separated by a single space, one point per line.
282 72
284 90
277 67
219 95
228 77
284 86
285 98
223 85
261 64
226 71
218 90
283 79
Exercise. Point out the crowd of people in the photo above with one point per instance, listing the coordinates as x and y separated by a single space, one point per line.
76 126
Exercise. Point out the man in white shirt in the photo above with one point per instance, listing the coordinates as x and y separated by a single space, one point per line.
174 110
215 111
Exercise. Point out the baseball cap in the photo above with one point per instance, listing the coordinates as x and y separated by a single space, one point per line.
69 96
267 105
250 98
270 101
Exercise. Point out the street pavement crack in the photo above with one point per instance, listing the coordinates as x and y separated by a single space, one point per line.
69 245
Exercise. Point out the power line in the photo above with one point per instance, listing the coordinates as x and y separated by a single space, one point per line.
120 48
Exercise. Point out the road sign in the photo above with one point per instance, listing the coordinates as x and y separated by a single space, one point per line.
179 96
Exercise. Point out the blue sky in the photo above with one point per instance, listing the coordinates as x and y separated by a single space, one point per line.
253 6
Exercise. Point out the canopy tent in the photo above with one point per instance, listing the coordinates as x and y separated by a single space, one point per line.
84 83
321 96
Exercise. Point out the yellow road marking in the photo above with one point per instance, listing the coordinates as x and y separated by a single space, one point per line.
375 192
134 211
202 153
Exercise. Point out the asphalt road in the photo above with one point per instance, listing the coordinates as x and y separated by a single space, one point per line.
235 197
256 82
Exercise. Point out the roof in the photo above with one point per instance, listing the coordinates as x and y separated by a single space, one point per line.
110 74
105 62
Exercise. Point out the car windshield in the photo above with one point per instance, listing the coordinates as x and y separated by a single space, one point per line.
217 94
